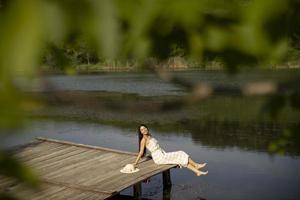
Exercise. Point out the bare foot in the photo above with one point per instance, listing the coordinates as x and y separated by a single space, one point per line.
201 173
199 166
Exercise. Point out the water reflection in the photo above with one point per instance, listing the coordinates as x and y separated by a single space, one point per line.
251 137
234 173
167 192
209 122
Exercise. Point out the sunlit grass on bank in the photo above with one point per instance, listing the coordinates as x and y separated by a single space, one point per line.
173 63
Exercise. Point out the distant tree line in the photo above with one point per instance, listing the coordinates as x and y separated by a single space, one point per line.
176 40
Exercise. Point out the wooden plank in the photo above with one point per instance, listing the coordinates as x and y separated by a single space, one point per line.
52 171
64 170
113 172
57 155
77 171
116 178
94 177
91 168
18 191
22 147
115 162
51 154
21 191
121 181
82 172
55 191
67 192
94 197
82 159
86 146
64 193
71 192
127 184
78 187
79 195
4 181
48 192
39 150
36 149
62 160
101 173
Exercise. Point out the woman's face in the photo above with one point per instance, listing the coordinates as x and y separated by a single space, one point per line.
144 130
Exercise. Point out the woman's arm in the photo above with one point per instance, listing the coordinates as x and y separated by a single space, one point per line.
142 149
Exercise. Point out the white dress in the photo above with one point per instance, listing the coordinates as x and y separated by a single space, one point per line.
159 156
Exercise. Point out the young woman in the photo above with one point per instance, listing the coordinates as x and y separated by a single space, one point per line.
159 156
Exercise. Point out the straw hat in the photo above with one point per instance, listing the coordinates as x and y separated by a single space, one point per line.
129 168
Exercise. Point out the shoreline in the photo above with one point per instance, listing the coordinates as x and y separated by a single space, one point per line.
105 70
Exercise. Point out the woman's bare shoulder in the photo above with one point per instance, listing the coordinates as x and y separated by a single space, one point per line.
148 139
143 141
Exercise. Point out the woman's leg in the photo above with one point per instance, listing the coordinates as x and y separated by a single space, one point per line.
198 172
196 165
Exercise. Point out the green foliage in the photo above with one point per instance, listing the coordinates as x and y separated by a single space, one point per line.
73 53
257 29
274 106
10 111
10 166
239 32
6 197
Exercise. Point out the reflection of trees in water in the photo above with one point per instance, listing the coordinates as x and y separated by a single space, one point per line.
229 130
253 136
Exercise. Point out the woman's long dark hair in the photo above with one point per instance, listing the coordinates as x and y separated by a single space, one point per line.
140 136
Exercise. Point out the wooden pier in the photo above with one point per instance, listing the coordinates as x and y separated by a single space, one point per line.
76 171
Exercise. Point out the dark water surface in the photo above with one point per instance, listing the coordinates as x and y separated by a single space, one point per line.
239 164
233 173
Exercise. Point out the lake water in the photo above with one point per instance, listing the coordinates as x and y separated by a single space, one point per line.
238 162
